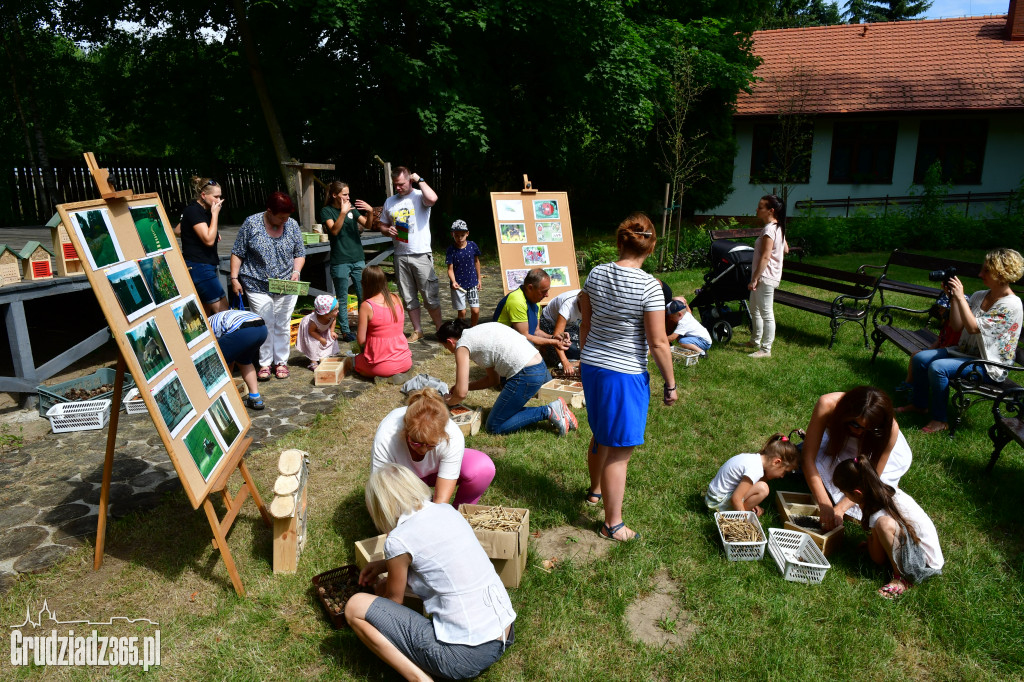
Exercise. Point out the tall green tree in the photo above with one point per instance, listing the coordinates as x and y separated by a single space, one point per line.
861 11
800 14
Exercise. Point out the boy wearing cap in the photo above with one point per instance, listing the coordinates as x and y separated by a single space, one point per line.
463 259
690 333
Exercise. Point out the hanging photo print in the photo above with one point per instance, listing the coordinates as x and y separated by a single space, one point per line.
190 321
211 369
535 255
130 290
559 276
510 209
159 278
175 407
549 232
513 233
545 209
149 348
203 446
97 235
224 421
514 278
150 228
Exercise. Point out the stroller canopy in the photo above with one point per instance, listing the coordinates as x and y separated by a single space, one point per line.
728 252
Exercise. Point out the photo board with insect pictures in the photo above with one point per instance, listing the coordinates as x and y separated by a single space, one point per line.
138 275
534 230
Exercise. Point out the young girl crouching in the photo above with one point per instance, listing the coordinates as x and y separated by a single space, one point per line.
431 548
316 337
740 484
901 533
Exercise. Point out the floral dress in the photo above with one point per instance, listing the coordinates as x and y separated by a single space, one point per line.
998 332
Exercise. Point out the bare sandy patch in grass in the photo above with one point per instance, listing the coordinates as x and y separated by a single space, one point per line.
570 543
657 619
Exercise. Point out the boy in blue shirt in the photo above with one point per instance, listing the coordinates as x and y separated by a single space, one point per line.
463 259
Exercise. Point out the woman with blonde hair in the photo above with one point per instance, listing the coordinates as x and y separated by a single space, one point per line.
422 437
381 321
199 237
431 549
990 322
623 315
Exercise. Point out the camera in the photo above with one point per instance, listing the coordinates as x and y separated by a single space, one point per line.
943 275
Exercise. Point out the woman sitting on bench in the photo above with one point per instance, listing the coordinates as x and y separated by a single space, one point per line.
990 321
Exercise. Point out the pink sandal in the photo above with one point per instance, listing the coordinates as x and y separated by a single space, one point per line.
894 589
263 374
281 372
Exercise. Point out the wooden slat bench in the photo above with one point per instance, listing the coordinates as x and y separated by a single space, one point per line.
918 262
851 305
1007 423
908 340
750 233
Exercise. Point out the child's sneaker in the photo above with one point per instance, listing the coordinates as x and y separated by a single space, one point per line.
562 417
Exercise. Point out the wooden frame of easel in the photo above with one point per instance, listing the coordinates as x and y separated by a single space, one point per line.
198 488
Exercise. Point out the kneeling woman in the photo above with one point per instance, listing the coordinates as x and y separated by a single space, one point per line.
505 354
431 548
422 437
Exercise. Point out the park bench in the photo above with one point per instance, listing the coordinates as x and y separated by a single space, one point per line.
907 339
851 305
1007 424
749 233
918 262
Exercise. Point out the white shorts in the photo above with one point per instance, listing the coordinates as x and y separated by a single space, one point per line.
415 274
723 505
460 297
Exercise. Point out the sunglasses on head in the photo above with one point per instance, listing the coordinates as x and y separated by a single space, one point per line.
211 183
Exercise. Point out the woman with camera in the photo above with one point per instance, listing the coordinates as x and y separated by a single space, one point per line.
990 324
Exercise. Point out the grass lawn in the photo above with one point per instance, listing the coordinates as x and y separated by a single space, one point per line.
748 622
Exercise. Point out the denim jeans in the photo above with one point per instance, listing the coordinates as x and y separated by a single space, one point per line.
340 275
932 370
510 412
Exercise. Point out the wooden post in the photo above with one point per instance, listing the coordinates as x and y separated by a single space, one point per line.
108 463
388 183
664 227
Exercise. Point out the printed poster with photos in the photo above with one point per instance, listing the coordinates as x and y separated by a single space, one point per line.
534 230
137 272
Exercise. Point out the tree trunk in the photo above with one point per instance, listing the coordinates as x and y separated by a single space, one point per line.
679 226
252 59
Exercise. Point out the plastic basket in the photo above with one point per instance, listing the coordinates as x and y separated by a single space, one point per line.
742 551
346 574
286 286
310 237
797 557
686 356
51 395
85 415
132 403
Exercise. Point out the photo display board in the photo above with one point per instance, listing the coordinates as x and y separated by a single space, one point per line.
137 272
533 230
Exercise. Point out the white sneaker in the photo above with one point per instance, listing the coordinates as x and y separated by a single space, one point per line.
761 354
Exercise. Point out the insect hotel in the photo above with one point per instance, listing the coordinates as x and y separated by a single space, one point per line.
10 266
68 262
36 259
289 510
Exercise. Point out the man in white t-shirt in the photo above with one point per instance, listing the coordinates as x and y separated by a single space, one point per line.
687 331
406 219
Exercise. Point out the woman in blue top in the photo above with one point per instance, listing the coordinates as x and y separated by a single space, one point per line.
269 245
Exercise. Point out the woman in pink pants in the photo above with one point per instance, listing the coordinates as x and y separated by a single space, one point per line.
422 437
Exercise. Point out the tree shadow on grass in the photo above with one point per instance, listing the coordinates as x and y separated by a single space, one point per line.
538 492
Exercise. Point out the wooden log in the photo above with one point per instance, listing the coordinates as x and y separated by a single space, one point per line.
290 462
286 485
283 506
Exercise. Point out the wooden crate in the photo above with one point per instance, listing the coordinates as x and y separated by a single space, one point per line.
372 549
329 372
505 549
802 504
569 389
468 422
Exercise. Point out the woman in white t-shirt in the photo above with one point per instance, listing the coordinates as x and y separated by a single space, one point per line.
766 274
431 549
991 323
623 315
505 354
422 437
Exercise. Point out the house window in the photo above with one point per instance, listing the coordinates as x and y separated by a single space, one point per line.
863 153
782 152
958 144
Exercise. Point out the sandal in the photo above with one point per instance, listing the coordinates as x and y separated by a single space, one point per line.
937 429
281 371
592 498
254 402
263 374
894 589
608 532
312 366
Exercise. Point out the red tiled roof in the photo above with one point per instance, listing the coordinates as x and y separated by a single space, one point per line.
931 65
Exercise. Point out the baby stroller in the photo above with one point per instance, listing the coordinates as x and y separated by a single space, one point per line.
725 283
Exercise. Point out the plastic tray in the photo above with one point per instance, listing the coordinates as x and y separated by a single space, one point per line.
51 395
797 557
347 574
287 286
85 415
686 356
132 403
742 551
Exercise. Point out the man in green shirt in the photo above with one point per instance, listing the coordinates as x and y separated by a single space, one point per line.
520 310
344 222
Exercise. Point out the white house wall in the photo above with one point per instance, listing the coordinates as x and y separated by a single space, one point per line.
1003 167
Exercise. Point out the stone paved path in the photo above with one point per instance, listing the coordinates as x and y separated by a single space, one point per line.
50 487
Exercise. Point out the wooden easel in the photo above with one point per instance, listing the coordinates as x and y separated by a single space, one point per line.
233 459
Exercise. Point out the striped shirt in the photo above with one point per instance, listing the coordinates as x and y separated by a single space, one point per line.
230 320
619 297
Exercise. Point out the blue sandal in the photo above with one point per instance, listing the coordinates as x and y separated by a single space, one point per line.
592 498
608 532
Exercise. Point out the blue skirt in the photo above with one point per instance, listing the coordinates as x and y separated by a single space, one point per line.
616 405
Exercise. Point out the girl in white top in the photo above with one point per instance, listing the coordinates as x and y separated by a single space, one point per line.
858 423
505 354
901 533
766 274
740 484
431 549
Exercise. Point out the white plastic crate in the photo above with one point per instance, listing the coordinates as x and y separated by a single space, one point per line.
133 404
797 557
86 415
742 551
685 355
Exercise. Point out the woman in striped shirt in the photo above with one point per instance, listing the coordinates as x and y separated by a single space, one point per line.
623 315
